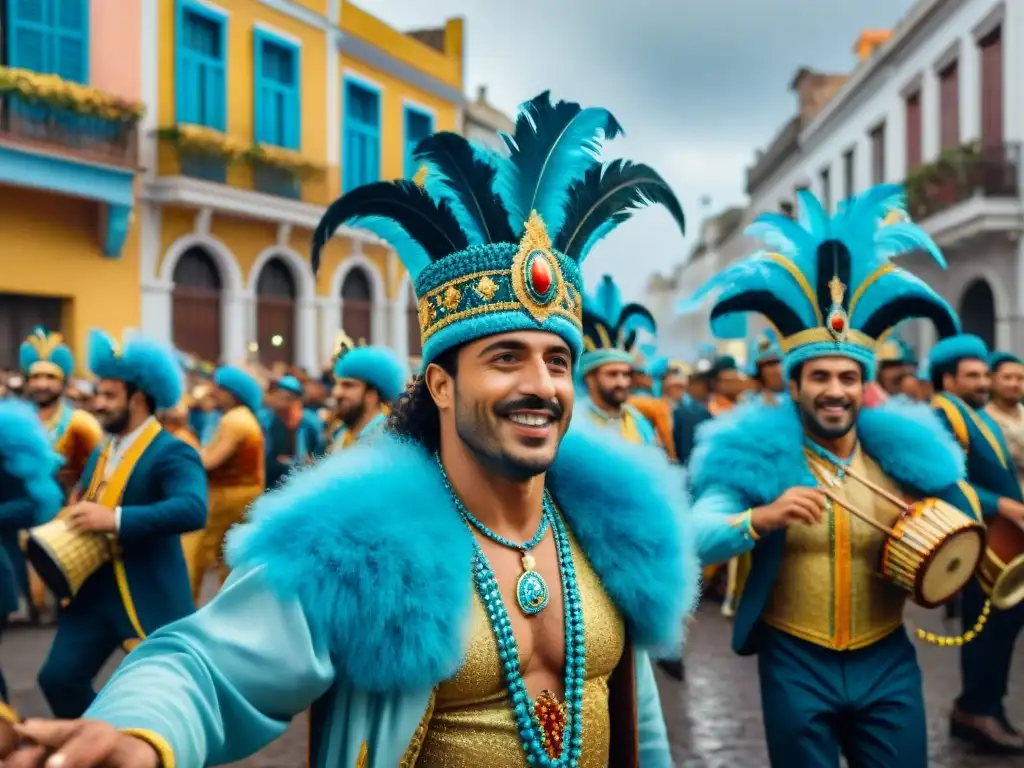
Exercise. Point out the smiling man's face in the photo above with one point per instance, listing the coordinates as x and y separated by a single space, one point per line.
511 400
829 393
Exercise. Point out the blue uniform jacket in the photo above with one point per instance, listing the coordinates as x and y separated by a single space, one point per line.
990 469
753 454
164 497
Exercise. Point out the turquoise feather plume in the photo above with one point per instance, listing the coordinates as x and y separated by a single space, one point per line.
552 147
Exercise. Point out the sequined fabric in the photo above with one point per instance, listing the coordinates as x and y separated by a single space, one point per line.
829 589
473 726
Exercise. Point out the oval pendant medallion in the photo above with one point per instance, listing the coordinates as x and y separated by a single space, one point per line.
532 593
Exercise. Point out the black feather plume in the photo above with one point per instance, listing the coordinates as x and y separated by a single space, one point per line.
466 177
607 196
401 209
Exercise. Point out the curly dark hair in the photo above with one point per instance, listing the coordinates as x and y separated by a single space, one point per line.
414 414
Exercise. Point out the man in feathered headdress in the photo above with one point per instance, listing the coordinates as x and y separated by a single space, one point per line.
667 387
367 380
29 496
836 667
235 467
142 488
562 554
765 367
606 366
895 361
960 374
47 364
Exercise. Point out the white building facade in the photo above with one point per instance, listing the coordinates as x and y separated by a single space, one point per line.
940 107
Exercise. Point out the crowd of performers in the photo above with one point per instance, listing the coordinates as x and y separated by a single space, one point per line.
467 580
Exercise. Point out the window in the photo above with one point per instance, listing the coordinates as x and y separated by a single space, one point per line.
849 173
276 83
949 107
913 120
49 36
877 138
418 125
826 189
200 48
361 139
992 88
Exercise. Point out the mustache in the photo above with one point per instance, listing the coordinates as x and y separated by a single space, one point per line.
531 403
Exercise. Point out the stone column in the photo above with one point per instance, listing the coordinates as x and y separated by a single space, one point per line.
329 308
306 335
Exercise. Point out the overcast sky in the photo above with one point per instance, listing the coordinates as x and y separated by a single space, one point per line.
698 85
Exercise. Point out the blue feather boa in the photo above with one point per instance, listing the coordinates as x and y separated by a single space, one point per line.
757 450
370 543
25 454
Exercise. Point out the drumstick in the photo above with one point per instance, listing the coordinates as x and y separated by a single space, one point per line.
890 497
858 514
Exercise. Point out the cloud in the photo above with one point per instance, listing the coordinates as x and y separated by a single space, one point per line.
699 85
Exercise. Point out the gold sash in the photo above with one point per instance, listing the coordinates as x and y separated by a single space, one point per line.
108 493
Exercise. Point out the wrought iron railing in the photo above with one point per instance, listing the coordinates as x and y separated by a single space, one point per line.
52 128
974 170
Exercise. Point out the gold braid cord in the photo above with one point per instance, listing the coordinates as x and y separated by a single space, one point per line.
956 642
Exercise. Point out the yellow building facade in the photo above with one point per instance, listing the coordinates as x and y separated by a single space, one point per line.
257 114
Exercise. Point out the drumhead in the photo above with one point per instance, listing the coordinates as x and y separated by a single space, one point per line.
951 566
1008 590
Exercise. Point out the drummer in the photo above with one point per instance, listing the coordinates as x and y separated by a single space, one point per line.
960 375
828 631
144 488
29 495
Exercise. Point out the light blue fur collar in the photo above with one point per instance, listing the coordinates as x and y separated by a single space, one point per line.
758 450
370 543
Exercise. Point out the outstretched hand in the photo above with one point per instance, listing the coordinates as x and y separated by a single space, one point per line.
75 744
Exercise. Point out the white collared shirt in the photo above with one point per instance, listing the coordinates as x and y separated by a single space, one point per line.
119 446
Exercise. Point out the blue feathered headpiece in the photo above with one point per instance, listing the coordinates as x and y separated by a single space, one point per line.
764 347
892 348
610 328
377 366
953 349
495 244
242 385
25 453
828 283
47 353
149 365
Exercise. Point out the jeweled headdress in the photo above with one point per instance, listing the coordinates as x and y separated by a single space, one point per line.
610 328
44 352
495 244
827 283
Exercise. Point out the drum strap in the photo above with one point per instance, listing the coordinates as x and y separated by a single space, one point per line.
108 492
956 420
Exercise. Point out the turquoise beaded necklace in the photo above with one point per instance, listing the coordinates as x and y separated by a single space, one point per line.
545 744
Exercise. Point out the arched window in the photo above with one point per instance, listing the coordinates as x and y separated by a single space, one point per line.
275 312
978 311
412 314
357 306
196 305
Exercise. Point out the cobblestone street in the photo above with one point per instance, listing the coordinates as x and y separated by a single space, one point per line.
713 719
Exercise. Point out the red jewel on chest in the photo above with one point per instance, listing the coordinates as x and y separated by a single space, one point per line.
838 323
540 276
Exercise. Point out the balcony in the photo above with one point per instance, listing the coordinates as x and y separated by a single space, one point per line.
204 168
74 140
967 192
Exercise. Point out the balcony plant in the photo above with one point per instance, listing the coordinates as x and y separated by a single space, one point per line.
54 91
284 159
203 140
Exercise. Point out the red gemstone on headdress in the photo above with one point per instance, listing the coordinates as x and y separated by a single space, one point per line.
540 276
838 323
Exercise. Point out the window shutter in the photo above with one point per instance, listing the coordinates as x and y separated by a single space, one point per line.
260 107
29 35
70 39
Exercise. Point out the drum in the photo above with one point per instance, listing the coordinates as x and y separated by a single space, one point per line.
934 551
64 558
1001 574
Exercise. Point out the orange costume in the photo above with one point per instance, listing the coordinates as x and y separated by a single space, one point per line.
658 411
234 465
